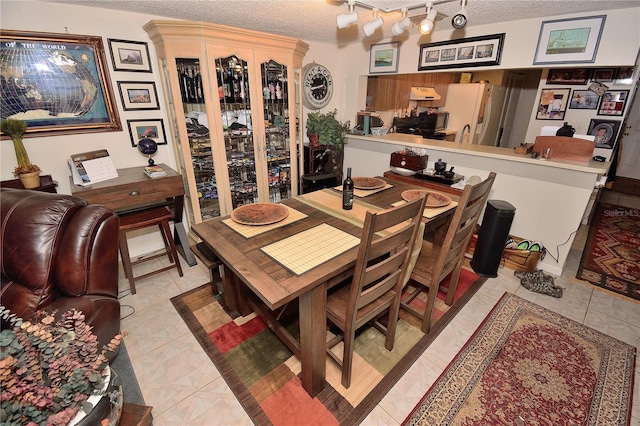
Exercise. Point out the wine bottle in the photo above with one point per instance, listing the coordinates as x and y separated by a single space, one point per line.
347 191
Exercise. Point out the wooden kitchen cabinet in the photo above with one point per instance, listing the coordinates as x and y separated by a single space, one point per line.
235 104
392 91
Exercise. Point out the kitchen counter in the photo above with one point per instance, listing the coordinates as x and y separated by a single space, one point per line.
550 196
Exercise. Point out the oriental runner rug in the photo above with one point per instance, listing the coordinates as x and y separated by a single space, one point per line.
264 375
611 257
527 365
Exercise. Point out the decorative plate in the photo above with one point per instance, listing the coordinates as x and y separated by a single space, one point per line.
435 199
368 183
402 172
259 214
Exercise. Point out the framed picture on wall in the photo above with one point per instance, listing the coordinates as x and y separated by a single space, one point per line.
603 75
57 83
584 99
567 41
624 77
129 55
613 102
384 58
151 129
568 76
138 95
605 132
553 104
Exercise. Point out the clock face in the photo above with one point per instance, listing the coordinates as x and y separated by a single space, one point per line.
317 86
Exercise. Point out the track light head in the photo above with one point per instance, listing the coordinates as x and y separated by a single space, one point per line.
399 27
345 19
370 27
426 25
459 20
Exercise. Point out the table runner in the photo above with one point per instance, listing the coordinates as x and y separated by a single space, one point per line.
249 231
330 202
310 248
365 192
430 213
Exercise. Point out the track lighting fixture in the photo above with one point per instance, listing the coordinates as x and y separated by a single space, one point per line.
399 27
426 20
370 27
426 25
346 19
459 20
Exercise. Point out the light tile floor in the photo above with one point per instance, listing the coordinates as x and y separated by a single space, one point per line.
184 388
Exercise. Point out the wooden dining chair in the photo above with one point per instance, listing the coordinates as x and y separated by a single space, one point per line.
383 255
435 263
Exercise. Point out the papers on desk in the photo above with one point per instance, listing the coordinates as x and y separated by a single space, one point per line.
92 167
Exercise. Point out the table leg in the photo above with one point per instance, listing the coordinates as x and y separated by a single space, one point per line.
230 290
313 320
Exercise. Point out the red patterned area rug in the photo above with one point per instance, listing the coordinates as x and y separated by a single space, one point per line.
264 375
527 365
611 257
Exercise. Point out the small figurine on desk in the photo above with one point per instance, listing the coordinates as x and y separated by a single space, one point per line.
148 147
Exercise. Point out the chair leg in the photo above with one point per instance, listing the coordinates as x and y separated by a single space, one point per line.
391 327
453 285
347 357
174 251
166 241
126 260
428 309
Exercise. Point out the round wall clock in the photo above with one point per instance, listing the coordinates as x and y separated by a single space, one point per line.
317 86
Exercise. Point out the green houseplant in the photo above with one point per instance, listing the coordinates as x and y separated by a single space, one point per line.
50 367
28 173
331 133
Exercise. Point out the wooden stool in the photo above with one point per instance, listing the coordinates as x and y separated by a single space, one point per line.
128 222
212 263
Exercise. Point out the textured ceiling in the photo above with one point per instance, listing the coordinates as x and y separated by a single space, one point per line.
315 20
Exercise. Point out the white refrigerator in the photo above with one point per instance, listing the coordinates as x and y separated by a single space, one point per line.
477 105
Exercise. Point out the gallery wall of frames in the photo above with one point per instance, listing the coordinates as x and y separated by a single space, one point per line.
602 93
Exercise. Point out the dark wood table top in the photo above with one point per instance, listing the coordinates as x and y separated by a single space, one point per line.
267 278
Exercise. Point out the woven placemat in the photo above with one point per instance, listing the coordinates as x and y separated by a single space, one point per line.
430 213
249 231
365 192
308 249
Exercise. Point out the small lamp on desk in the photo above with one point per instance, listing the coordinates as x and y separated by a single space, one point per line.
148 147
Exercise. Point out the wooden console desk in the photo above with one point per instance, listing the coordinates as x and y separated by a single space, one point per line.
133 191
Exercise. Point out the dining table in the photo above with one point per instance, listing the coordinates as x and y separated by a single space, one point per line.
297 259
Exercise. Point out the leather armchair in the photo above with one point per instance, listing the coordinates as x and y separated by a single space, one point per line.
59 253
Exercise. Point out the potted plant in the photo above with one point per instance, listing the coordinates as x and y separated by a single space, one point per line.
49 369
331 133
29 174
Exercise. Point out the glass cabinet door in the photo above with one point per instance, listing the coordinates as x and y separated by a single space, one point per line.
275 93
235 105
197 123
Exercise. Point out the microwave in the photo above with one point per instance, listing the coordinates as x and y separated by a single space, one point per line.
442 120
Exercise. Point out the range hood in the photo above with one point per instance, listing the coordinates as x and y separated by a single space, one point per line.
423 94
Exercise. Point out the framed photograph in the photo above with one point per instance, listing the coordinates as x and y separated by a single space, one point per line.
604 75
569 41
553 104
152 129
129 55
466 52
613 102
568 76
384 58
605 132
138 95
584 99
624 77
72 95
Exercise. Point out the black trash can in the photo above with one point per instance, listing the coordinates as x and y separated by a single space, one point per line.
492 237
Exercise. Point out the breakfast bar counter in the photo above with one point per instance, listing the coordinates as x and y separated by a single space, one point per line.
550 196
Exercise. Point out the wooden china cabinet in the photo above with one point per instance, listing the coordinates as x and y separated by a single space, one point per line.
235 103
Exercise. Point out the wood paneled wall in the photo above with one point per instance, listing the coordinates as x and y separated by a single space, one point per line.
392 91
